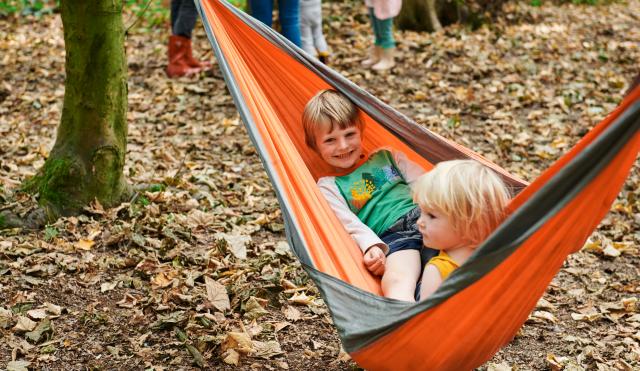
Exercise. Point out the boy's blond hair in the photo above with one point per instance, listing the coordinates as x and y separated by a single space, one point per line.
328 107
470 194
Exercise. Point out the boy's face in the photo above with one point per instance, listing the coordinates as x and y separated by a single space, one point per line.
340 148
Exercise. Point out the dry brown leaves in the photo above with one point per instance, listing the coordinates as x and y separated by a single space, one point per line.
194 270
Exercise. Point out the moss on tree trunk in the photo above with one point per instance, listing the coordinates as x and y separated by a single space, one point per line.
87 159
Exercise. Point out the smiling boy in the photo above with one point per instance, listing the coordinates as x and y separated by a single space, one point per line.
370 195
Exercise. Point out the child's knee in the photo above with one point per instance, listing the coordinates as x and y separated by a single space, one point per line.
394 278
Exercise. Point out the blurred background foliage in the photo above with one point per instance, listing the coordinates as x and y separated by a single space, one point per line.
158 10
146 14
153 12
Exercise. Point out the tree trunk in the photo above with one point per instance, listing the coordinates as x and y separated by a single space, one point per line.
417 15
431 15
87 160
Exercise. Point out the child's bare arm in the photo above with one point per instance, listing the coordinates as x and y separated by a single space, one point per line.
431 280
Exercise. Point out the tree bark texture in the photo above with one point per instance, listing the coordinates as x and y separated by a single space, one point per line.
431 15
87 160
418 15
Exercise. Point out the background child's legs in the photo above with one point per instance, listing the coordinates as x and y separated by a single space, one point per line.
401 274
386 43
383 30
183 17
262 10
306 38
319 40
374 25
311 28
289 14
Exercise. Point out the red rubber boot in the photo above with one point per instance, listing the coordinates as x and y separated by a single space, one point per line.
178 48
193 62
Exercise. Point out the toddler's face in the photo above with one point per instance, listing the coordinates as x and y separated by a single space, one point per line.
340 148
437 231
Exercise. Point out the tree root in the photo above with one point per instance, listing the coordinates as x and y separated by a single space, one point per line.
34 220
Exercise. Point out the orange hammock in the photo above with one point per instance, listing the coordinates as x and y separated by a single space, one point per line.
481 306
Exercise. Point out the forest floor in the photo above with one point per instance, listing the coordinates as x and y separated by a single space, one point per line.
195 270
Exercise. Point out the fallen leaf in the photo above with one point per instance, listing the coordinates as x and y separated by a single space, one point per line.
43 327
586 317
237 244
634 318
611 251
301 299
544 316
280 325
56 310
556 363
630 304
37 313
24 324
231 357
18 366
254 329
544 304
266 349
164 279
169 320
127 301
197 218
6 318
291 313
108 286
254 308
282 248
238 341
217 294
198 359
85 245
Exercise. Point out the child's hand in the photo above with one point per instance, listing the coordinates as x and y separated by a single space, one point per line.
374 260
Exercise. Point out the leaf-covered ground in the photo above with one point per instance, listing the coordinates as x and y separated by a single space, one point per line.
194 270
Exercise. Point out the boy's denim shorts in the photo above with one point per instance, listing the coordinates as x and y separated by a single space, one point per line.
404 235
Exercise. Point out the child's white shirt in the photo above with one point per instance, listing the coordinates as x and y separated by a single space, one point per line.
360 232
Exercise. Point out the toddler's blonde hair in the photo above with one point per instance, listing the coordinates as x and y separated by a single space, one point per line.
328 107
470 194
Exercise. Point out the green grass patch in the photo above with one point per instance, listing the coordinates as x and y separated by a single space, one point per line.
142 200
50 233
146 13
157 187
242 4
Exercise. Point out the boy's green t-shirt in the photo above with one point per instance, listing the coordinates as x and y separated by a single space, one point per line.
377 192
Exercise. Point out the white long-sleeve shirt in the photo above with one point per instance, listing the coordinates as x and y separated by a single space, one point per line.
360 232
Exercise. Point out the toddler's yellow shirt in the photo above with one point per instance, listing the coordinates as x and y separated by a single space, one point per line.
444 263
